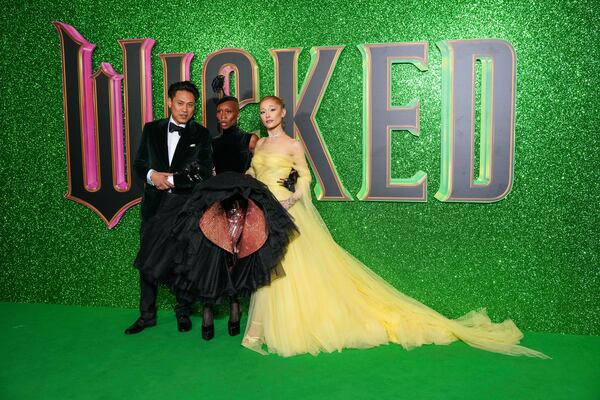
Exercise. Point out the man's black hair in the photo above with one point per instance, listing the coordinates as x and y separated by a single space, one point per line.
183 85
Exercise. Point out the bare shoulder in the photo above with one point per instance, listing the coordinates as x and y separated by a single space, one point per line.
295 146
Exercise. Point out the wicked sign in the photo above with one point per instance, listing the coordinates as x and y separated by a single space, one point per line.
105 113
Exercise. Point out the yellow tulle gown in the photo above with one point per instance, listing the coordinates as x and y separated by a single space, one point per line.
328 300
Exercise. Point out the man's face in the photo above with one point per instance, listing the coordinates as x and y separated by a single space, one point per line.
227 114
182 106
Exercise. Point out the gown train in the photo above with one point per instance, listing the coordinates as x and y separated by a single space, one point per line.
329 300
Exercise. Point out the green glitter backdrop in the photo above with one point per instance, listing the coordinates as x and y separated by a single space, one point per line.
532 256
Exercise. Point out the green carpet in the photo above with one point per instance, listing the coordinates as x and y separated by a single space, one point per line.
66 352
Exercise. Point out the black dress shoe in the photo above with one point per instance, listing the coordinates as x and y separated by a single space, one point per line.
184 324
208 332
139 325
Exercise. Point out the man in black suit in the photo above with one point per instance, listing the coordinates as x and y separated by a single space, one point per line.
168 147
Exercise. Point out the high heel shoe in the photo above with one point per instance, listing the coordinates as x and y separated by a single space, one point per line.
208 332
233 327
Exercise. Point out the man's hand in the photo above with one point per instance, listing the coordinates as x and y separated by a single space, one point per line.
161 181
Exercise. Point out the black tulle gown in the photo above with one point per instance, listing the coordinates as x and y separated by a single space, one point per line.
192 252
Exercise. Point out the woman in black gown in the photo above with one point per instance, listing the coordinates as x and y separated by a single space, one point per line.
232 152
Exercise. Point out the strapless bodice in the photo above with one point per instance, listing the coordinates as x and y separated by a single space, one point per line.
270 168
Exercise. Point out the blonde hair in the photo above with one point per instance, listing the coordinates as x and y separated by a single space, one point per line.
276 99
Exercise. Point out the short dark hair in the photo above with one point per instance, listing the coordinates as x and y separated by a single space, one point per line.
188 86
225 99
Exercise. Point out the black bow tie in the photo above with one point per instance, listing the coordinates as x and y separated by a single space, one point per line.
175 128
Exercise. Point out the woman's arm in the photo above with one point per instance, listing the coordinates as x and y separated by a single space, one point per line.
253 142
304 178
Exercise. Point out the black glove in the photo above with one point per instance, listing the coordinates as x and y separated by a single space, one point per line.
191 171
290 182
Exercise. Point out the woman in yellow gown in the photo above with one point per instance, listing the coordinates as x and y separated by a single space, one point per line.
328 300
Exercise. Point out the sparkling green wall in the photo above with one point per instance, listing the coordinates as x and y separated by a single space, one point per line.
532 256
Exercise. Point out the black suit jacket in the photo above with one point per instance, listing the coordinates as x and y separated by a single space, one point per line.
194 145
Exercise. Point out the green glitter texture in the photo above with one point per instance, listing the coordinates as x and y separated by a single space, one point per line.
532 257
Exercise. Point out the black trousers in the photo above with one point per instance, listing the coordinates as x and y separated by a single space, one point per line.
166 214
148 295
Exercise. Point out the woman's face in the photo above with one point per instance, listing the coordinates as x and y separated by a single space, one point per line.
227 114
271 113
